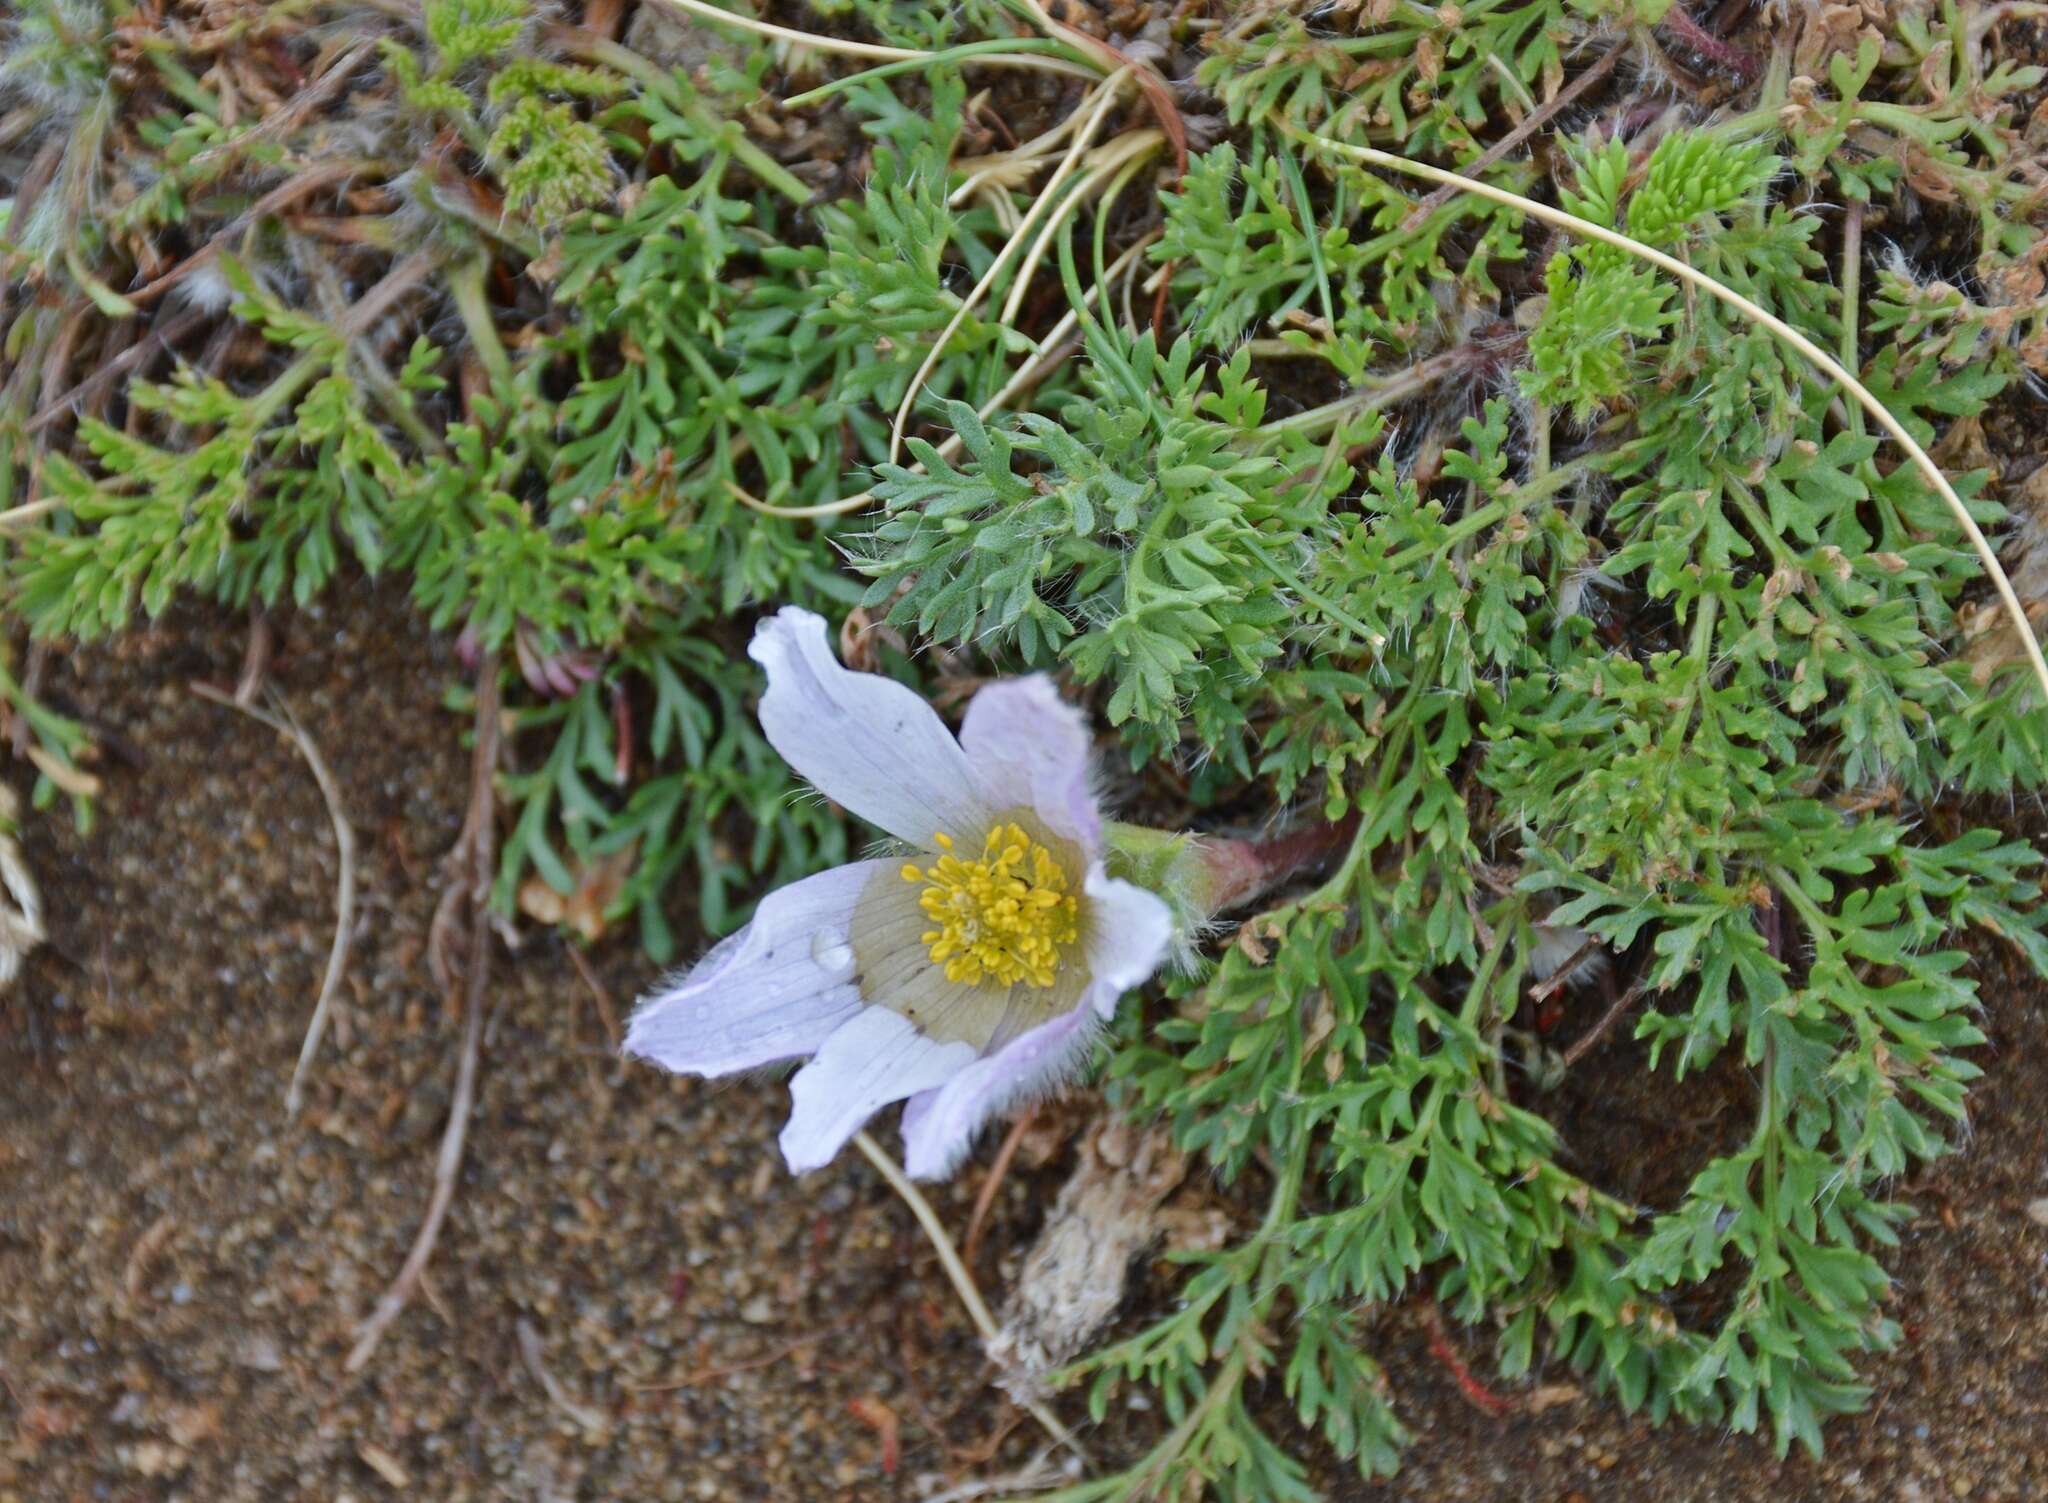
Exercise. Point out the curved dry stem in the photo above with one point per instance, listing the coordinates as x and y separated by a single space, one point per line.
1819 358
1032 62
1158 95
956 1272
1014 167
1106 96
801 38
286 724
942 1244
1025 375
1002 207
15 516
1125 155
475 848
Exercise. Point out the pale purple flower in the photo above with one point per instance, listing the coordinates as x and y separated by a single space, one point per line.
965 977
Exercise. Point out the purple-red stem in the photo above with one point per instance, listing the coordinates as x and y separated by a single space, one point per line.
1243 869
1705 44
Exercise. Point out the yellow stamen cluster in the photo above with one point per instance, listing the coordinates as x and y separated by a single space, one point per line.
1002 918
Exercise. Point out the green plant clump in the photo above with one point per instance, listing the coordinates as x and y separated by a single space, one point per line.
1595 616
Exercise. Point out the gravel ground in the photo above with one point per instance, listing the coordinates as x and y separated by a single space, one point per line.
182 1268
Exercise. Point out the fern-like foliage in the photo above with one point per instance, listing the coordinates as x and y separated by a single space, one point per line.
1151 546
1601 302
1580 600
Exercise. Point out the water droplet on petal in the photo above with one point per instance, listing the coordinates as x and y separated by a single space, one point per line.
832 955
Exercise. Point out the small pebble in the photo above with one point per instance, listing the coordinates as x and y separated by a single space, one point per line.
260 1353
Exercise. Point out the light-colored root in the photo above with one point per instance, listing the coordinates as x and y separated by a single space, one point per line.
956 1271
280 719
478 845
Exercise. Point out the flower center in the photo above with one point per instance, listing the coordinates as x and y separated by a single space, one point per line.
1003 918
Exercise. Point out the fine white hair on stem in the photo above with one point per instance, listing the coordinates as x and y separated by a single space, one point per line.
204 288
1825 363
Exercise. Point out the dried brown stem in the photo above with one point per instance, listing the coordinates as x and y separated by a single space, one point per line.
1583 1045
255 657
21 734
285 194
1552 984
474 848
1710 48
286 724
986 1198
156 339
57 362
606 1013
1157 94
1563 99
956 1272
746 1365
147 1247
310 98
398 281
532 1353
479 845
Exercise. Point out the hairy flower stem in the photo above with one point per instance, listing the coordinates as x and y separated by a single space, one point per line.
1704 44
1200 877
1240 871
1383 391
466 285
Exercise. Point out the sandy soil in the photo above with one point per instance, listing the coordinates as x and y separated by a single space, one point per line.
181 1268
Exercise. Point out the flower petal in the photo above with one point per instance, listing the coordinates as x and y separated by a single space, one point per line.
870 1061
775 990
864 741
897 972
1129 933
939 1125
1030 748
